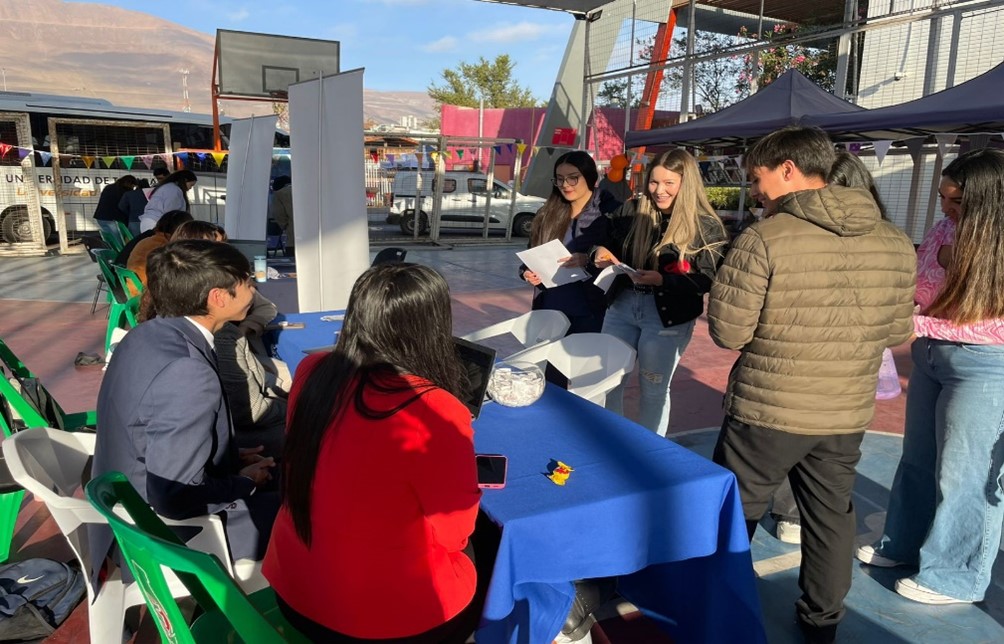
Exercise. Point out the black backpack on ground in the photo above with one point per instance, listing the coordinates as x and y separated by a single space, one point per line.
36 595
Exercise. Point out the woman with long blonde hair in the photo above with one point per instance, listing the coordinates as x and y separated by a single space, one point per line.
576 214
674 242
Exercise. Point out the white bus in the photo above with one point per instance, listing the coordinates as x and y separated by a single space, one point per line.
58 152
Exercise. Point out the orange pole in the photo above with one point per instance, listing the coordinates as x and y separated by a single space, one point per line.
653 81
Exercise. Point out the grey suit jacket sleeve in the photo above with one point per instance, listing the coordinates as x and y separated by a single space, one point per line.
186 465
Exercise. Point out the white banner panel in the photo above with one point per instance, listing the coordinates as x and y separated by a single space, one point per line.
329 189
248 168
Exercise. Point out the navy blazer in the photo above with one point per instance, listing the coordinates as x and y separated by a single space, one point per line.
163 421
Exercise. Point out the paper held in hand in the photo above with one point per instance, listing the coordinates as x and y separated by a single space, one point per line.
543 260
606 277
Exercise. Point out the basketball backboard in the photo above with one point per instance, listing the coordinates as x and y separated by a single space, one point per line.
251 65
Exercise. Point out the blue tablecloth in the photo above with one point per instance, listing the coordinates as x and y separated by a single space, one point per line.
667 521
290 344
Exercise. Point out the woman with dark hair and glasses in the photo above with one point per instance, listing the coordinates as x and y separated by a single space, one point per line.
380 486
575 213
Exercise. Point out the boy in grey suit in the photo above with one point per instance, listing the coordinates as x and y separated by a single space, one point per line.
163 418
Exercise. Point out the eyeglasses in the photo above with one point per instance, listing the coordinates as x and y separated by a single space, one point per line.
572 180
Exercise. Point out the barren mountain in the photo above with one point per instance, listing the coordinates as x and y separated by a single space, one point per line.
133 59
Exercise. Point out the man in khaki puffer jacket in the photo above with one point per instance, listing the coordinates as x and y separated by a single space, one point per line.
811 296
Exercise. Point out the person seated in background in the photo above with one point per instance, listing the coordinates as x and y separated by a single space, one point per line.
380 491
162 233
281 209
256 385
163 413
133 203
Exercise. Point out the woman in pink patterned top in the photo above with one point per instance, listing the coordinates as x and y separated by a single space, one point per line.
947 504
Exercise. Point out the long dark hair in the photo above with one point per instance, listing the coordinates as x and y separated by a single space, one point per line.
974 280
179 179
850 171
398 321
555 215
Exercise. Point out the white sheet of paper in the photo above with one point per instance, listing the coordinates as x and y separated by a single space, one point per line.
606 277
543 260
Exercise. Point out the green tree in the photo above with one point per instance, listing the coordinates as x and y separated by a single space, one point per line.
714 80
492 80
818 65
614 94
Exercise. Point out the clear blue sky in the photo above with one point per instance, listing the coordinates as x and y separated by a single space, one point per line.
403 44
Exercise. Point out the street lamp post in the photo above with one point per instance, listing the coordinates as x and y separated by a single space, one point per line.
3 70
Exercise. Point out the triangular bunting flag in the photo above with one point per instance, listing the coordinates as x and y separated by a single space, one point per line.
88 161
433 155
182 158
854 148
147 160
109 161
201 156
127 161
881 148
498 149
390 158
739 160
509 145
22 153
218 158
374 156
520 147
460 153
45 157
978 141
549 150
944 141
915 146
5 148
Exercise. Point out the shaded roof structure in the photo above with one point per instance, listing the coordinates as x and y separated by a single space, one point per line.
976 105
789 100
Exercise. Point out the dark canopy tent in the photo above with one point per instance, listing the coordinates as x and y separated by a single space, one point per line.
974 106
786 101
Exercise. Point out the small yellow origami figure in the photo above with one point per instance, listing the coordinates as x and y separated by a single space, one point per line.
560 473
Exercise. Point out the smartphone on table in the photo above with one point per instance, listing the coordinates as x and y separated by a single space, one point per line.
492 470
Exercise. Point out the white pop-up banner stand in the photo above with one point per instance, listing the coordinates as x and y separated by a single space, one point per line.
329 188
248 168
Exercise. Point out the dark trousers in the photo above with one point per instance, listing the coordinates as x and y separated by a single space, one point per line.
821 470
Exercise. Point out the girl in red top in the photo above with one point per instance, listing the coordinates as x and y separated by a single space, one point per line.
381 495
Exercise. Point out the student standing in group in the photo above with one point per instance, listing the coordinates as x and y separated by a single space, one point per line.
574 214
133 203
170 194
947 504
810 297
674 240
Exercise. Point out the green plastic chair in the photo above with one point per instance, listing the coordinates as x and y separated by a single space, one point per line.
17 412
113 238
125 234
124 308
10 502
52 415
147 545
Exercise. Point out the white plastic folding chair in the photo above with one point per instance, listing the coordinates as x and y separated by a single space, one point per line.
54 466
594 363
531 328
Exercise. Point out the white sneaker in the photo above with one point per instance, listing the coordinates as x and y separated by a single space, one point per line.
910 589
564 639
789 532
869 555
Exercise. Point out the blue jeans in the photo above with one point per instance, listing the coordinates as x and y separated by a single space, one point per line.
947 505
633 318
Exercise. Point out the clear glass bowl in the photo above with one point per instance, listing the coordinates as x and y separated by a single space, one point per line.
516 384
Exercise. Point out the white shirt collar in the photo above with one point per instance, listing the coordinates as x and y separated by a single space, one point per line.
205 332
